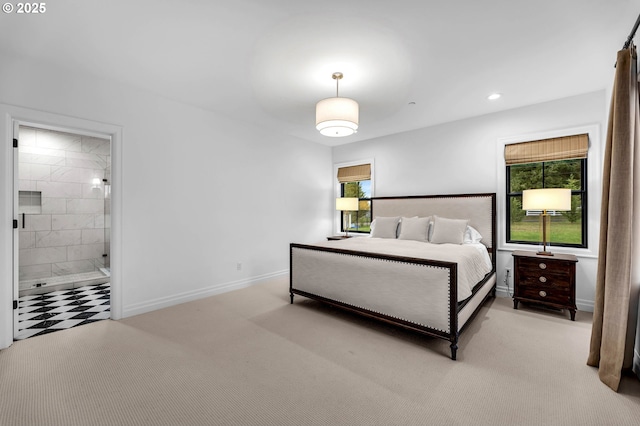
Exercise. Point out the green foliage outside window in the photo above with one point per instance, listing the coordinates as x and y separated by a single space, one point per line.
360 220
567 227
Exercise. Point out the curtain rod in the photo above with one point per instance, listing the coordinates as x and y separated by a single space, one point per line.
633 33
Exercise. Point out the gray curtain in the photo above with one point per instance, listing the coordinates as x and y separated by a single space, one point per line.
617 281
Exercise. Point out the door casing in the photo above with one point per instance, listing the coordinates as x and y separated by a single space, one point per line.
11 117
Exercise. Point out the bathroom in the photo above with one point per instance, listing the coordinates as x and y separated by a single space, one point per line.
64 226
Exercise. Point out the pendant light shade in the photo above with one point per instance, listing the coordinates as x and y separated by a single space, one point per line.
337 117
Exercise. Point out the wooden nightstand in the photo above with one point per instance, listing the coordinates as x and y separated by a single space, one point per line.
547 280
337 237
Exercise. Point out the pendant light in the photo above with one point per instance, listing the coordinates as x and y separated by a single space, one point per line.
337 117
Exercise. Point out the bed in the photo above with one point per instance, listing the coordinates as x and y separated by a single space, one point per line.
431 283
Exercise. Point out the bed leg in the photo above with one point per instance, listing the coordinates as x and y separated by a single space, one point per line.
291 296
493 291
454 350
454 345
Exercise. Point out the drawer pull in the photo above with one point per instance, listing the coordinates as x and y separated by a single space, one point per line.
542 279
543 266
543 293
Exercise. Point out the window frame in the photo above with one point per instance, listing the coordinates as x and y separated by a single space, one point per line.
583 192
338 217
359 199
594 182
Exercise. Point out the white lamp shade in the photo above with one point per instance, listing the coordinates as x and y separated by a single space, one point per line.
546 199
337 117
347 204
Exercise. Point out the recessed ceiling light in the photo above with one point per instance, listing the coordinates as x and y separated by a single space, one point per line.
493 96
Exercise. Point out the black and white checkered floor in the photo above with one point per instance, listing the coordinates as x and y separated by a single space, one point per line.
59 310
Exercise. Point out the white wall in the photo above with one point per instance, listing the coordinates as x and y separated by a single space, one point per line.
200 192
460 157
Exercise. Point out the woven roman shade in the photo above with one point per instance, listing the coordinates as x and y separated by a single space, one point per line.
564 148
354 173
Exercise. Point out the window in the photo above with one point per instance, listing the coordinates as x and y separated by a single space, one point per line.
355 181
552 170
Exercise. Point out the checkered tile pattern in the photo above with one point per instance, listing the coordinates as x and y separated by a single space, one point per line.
59 310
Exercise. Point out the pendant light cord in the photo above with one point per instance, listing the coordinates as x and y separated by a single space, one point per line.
337 76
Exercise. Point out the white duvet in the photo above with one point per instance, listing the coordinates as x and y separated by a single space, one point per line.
473 259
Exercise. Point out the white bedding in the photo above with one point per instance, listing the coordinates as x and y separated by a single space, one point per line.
473 259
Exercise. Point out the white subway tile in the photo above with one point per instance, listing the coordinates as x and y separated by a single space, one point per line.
54 205
91 161
58 140
24 171
75 267
27 185
96 145
72 174
27 239
88 251
99 220
33 272
27 136
60 189
37 222
92 236
87 205
71 221
58 238
42 159
40 151
41 256
40 172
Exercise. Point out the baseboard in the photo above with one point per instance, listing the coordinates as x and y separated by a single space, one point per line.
503 291
176 299
582 304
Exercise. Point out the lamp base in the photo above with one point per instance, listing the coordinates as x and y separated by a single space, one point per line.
544 253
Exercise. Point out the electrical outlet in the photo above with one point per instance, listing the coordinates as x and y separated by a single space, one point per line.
239 266
508 270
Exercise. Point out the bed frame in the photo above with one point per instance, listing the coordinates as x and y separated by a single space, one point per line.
480 209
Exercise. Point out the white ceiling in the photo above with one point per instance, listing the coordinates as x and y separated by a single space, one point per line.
269 61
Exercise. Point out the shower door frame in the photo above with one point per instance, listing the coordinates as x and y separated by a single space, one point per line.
11 118
16 229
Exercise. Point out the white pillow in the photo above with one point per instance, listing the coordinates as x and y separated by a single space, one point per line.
471 235
414 228
448 230
385 227
400 224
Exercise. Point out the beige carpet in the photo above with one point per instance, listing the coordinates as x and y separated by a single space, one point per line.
250 358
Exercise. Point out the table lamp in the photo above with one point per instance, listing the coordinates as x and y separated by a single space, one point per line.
546 199
347 204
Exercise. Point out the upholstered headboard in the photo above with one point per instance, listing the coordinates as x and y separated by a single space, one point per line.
479 209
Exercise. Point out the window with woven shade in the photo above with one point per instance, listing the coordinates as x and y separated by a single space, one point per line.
355 181
548 163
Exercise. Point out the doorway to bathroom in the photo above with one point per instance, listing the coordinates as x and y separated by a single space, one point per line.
62 182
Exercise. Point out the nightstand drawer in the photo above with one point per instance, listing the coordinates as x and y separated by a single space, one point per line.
548 295
557 281
546 267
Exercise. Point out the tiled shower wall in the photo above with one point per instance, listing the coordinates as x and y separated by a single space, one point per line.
67 235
